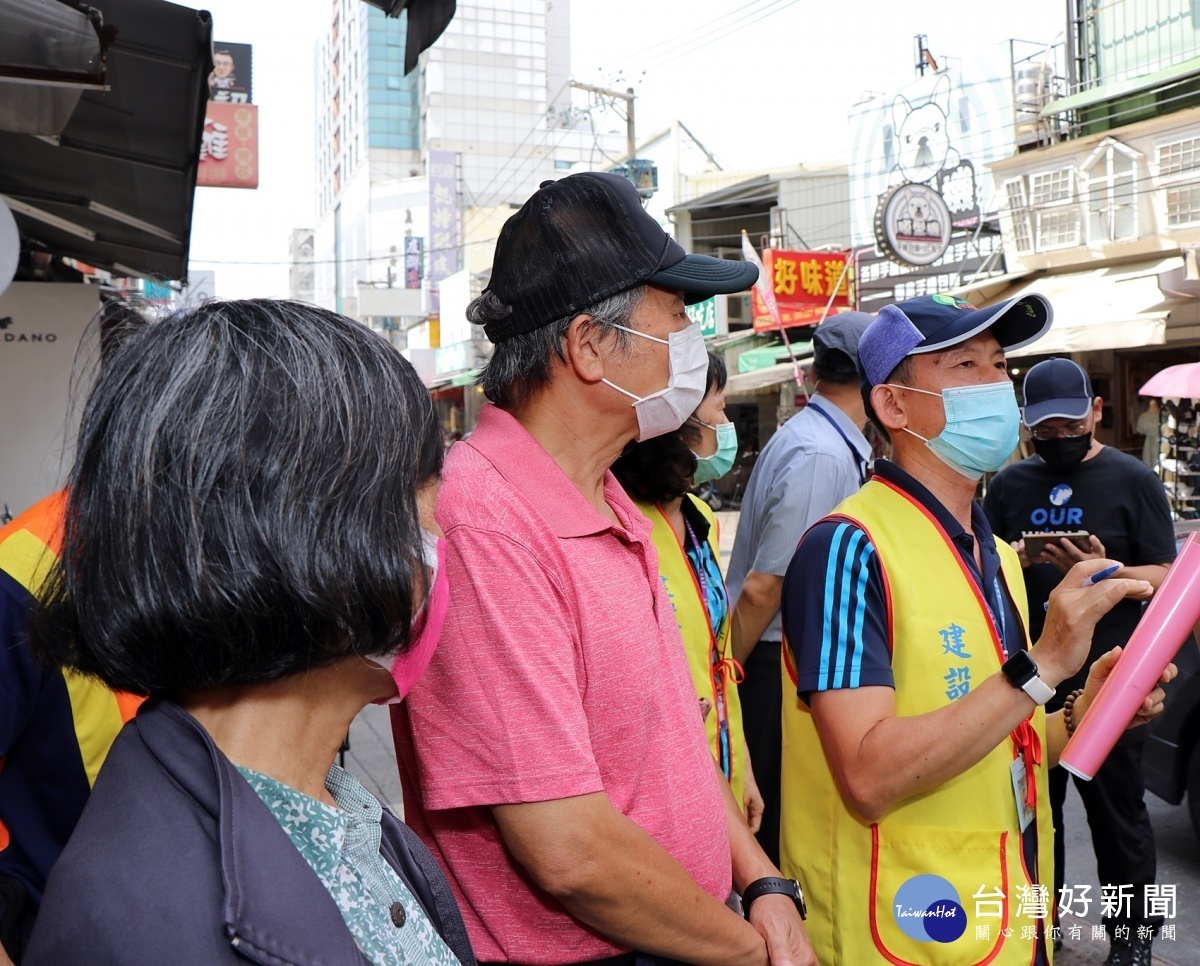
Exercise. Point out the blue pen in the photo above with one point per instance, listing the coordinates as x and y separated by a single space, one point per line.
1095 578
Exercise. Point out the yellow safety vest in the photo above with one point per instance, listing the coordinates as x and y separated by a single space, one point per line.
29 549
714 672
861 879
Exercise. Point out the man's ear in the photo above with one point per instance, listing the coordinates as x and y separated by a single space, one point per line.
584 349
886 402
1097 411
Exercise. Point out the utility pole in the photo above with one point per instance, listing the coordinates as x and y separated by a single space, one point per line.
628 98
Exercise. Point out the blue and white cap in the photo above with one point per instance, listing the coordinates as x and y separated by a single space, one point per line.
932 322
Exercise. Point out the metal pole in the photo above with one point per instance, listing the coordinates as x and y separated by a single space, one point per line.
627 97
630 137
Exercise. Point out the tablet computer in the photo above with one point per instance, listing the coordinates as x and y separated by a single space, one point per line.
1035 543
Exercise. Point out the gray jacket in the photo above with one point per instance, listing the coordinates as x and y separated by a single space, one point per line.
177 860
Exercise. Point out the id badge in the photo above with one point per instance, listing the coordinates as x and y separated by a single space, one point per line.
1020 783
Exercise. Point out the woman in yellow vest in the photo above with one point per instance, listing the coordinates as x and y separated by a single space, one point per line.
657 474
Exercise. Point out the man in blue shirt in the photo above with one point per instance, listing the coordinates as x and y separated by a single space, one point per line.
817 458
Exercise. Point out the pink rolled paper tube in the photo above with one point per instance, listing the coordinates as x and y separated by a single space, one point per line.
1164 627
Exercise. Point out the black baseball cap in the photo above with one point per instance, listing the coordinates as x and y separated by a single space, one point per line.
585 238
933 322
1056 389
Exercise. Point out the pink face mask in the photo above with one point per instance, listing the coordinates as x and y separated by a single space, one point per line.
408 666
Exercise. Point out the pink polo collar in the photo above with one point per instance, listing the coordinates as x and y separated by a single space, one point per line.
522 461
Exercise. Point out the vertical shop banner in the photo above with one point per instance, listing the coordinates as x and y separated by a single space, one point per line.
443 220
803 284
414 255
229 147
232 74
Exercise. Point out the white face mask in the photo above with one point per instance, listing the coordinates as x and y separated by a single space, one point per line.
665 411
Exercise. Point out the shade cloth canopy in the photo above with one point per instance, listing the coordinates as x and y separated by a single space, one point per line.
115 188
1118 307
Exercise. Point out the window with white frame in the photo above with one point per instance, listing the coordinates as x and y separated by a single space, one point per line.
1183 206
1179 157
1110 173
1179 179
1056 216
1051 187
1018 212
1057 228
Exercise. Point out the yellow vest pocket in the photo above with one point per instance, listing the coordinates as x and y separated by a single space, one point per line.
939 896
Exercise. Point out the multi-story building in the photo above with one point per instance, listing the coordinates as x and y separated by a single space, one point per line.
415 173
1100 209
301 276
793 207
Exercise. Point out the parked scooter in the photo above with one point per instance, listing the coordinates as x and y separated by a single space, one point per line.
708 493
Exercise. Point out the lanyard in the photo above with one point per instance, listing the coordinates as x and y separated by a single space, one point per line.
701 576
1000 615
858 460
722 668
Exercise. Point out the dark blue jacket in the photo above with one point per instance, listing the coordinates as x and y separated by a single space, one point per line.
177 860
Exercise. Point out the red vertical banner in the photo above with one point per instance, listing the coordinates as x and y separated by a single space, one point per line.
803 283
229 148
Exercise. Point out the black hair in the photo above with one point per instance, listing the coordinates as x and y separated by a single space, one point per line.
834 367
718 374
520 365
242 505
660 469
901 374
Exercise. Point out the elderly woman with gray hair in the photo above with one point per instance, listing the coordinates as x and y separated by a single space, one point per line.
249 539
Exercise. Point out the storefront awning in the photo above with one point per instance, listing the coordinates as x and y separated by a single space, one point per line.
760 379
985 287
1102 308
766 356
465 378
115 188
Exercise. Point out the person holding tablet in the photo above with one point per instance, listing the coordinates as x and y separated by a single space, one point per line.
1076 483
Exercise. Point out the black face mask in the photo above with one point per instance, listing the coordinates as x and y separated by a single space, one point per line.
1064 453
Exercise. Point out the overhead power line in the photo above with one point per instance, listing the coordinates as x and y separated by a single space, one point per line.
654 50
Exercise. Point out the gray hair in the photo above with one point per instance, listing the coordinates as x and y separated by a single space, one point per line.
520 366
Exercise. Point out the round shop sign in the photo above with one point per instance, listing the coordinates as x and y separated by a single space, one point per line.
912 224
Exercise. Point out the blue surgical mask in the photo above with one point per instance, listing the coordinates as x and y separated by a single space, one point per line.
983 427
721 462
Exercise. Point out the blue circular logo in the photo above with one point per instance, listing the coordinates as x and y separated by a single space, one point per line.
1061 494
927 909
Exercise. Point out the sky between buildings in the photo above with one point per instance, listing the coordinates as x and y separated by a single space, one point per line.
760 82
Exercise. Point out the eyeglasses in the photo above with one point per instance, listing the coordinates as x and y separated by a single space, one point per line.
1081 427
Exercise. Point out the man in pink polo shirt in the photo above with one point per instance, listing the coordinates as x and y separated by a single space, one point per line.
553 757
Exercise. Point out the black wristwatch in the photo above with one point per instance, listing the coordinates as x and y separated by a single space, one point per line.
1022 674
777 887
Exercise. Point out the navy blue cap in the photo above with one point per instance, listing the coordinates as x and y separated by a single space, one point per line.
840 333
1056 389
929 323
